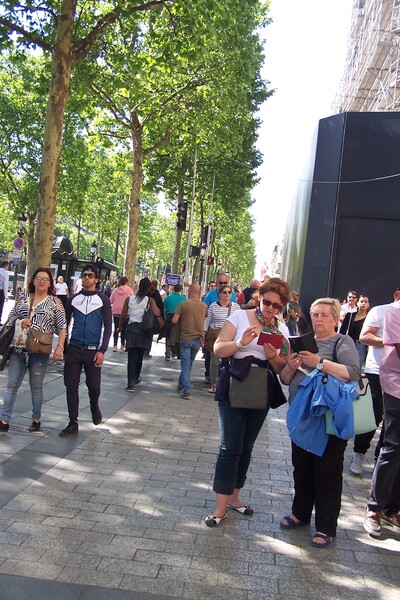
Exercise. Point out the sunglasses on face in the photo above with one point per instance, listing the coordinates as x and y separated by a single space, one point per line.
226 292
273 304
89 275
222 282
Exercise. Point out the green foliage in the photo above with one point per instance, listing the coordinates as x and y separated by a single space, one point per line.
184 71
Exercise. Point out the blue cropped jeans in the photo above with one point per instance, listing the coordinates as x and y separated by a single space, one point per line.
36 364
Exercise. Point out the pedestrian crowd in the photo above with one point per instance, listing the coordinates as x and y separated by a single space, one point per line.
253 342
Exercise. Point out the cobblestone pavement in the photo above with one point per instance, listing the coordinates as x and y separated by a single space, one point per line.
117 511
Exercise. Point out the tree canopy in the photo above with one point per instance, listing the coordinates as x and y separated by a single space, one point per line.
132 89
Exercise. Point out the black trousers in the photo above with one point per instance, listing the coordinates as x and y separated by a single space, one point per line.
135 362
2 300
318 483
385 487
75 359
363 441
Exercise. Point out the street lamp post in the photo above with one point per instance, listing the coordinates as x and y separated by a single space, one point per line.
93 251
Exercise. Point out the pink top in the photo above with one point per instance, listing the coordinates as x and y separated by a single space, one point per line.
389 373
118 297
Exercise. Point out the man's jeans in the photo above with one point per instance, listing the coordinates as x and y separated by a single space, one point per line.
37 366
188 351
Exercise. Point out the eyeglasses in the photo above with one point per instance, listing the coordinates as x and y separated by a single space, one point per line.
226 292
40 279
89 275
273 304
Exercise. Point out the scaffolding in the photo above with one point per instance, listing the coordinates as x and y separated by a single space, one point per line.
371 79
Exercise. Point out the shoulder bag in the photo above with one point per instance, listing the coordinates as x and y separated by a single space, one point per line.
38 342
252 391
150 323
212 334
364 417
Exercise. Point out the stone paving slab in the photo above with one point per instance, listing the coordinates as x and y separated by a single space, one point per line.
117 511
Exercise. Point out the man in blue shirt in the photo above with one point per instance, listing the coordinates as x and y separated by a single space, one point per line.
212 295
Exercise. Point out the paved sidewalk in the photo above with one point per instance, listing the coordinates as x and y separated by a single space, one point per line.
117 511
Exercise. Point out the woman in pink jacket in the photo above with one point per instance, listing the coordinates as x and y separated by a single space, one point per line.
117 299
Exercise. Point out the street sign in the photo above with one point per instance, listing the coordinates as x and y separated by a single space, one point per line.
17 254
18 243
172 279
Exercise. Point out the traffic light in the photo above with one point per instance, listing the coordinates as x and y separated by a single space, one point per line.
210 260
182 215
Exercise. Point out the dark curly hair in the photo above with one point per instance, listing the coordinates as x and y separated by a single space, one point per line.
276 285
50 290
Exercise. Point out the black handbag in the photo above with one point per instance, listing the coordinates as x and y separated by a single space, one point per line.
6 335
150 323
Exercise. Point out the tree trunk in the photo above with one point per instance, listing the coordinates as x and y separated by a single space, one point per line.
61 65
134 207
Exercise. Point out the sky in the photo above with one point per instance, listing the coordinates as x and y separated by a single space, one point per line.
305 50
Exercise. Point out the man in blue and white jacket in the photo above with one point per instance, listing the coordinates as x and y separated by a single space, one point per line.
91 310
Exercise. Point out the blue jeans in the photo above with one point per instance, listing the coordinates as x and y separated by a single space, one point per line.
37 366
188 351
239 428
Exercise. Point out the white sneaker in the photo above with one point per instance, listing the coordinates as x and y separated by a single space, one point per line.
356 465
114 348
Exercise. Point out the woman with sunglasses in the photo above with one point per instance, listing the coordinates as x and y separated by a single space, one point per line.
38 309
217 314
239 427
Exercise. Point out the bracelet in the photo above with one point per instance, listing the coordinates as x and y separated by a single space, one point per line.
239 344
60 345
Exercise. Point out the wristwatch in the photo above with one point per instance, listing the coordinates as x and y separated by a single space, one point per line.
320 364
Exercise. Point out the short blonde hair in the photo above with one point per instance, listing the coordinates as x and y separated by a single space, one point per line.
332 302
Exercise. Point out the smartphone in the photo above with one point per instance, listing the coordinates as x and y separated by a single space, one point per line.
270 338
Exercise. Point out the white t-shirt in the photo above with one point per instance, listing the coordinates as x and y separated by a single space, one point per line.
137 309
240 320
375 318
61 289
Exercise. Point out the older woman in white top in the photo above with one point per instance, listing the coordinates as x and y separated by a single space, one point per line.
239 427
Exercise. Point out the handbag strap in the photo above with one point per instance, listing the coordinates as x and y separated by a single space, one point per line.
334 358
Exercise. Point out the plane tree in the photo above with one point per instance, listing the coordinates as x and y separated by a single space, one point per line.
186 76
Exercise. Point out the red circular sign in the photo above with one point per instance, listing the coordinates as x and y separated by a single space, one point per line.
18 243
